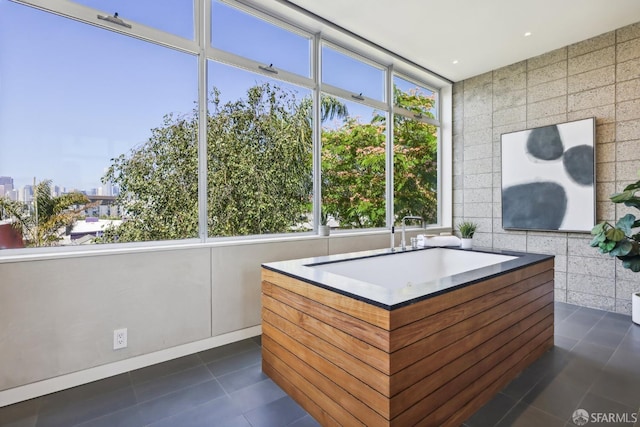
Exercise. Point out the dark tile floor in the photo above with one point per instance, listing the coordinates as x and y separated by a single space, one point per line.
595 366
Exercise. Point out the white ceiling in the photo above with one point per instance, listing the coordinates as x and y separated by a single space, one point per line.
480 35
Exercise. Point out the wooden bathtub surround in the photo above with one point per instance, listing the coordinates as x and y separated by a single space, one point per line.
431 363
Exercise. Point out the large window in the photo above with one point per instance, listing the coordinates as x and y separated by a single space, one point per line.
95 119
354 75
415 151
354 143
353 166
273 47
141 128
259 154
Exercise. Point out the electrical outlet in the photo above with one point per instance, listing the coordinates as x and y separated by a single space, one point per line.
119 338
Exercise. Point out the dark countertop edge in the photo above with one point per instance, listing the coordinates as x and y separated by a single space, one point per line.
524 259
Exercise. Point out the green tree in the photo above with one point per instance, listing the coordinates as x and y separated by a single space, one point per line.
415 154
45 223
258 171
353 173
353 166
259 162
158 184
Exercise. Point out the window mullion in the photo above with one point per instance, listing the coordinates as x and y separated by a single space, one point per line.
389 149
316 70
202 25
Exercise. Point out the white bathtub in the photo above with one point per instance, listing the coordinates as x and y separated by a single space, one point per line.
412 268
394 279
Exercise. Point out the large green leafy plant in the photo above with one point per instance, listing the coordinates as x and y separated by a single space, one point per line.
619 240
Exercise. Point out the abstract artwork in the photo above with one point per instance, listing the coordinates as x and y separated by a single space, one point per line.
548 176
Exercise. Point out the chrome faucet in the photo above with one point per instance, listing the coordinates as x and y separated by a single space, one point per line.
403 244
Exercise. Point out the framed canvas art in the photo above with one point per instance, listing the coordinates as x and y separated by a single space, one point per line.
548 178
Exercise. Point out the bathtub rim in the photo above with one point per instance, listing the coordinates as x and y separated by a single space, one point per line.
302 269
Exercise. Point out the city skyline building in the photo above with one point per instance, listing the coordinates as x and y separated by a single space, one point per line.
6 186
24 193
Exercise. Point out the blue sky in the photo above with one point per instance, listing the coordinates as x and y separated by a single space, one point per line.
73 96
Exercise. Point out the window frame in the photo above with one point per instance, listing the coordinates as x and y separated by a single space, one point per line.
88 15
320 33
270 19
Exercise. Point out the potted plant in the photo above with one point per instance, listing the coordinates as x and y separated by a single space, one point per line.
323 227
467 229
622 240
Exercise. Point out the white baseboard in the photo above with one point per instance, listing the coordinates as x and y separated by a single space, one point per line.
51 385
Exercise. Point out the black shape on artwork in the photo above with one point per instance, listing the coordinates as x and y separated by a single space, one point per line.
536 205
545 143
578 163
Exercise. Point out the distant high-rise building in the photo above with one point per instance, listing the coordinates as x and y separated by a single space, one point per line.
106 189
26 194
6 185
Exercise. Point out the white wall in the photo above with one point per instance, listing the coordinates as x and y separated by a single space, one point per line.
57 315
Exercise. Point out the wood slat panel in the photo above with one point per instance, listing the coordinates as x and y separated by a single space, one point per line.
360 329
438 361
360 390
414 352
505 341
481 399
365 373
369 313
332 409
408 314
422 328
407 377
368 354
330 389
446 408
296 394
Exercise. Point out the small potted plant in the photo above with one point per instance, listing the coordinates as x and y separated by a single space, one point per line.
323 228
622 240
467 229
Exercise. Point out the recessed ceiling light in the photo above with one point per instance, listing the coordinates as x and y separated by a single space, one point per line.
455 61
527 34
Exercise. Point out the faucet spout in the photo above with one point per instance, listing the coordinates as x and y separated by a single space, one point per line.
403 243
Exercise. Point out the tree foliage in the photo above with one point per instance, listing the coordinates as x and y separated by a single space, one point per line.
415 154
259 163
259 169
45 223
158 184
353 166
259 172
353 173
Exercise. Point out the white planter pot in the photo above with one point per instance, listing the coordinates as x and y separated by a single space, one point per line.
324 230
635 308
466 243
